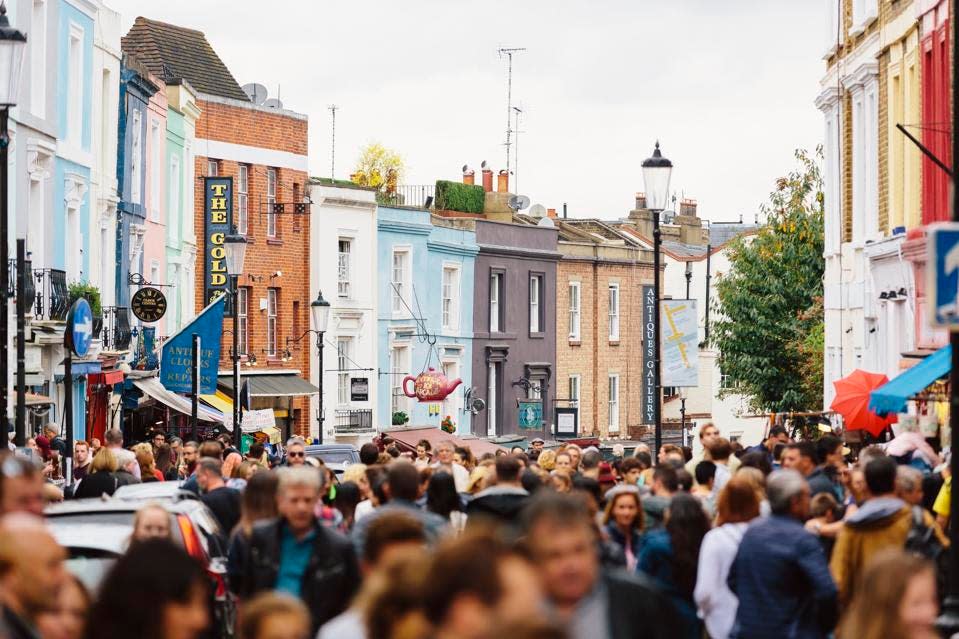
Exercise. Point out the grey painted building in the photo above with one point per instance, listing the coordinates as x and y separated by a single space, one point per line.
514 324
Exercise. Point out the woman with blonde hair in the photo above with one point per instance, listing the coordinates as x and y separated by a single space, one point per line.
895 599
147 463
624 521
102 479
738 504
547 460
757 480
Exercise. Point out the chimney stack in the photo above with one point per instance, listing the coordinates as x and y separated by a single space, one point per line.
551 213
640 201
687 207
502 181
487 179
469 175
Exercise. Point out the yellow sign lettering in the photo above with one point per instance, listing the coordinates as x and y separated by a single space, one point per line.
217 279
218 253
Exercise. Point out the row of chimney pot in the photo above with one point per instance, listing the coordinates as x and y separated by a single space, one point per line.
502 180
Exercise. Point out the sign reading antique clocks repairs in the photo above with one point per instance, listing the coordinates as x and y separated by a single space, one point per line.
148 304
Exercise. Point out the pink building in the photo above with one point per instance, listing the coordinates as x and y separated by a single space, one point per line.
153 268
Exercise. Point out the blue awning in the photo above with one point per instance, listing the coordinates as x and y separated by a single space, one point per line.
892 396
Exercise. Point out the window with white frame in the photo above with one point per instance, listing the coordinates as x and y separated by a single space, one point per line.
535 389
344 353
831 185
451 404
270 201
613 422
864 12
344 249
574 381
75 86
450 297
173 207
398 370
865 159
495 295
38 58
535 308
136 156
574 313
492 399
399 280
242 199
155 166
271 321
212 168
243 319
833 35
614 312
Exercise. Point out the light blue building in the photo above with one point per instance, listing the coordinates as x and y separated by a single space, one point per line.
425 312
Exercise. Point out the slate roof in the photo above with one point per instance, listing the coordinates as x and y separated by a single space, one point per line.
722 232
171 52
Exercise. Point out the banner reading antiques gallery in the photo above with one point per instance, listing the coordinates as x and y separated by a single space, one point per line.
218 223
648 400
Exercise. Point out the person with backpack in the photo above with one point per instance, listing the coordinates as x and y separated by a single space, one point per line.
884 521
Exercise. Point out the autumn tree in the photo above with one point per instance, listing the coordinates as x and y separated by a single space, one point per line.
770 326
378 167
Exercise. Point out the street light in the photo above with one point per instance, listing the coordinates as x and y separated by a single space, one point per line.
234 245
320 309
656 173
13 44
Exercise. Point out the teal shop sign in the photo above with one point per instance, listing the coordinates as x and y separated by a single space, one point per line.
530 415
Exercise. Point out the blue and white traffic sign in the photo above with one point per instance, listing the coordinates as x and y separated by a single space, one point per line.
79 333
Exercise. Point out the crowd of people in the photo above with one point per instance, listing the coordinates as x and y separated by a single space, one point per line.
784 539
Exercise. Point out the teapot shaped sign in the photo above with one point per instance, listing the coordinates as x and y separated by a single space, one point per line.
431 386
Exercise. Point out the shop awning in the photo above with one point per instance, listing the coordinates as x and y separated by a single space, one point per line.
407 438
284 385
892 396
33 399
220 401
152 387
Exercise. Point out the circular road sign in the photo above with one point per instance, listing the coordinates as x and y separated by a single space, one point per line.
148 304
79 333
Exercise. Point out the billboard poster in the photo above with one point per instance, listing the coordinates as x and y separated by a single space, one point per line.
680 343
217 224
648 400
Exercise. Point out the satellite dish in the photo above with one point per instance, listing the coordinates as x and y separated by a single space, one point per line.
538 210
483 165
477 405
518 202
273 103
546 222
256 92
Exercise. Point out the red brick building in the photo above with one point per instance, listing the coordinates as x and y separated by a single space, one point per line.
264 150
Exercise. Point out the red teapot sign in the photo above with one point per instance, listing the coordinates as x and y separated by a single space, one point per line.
431 386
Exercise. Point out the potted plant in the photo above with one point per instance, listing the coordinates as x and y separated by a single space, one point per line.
400 418
447 425
91 294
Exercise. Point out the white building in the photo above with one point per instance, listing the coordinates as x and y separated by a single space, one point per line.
343 266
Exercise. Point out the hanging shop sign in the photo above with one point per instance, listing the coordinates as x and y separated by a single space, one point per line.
176 356
648 399
680 343
359 389
431 386
148 304
218 223
530 414
79 333
567 422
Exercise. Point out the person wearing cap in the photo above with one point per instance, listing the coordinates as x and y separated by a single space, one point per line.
536 445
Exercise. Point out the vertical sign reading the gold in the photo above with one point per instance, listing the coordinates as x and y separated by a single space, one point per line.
218 221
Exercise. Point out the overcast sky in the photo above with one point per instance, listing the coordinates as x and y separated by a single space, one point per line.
726 86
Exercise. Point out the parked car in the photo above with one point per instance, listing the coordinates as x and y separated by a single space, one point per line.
336 456
95 532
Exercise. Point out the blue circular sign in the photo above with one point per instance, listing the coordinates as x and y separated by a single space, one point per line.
79 332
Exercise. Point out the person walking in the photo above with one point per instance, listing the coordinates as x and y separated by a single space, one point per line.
154 591
296 554
102 479
670 556
223 501
897 600
503 501
624 521
883 521
273 615
442 499
737 505
780 576
445 451
151 522
82 460
68 617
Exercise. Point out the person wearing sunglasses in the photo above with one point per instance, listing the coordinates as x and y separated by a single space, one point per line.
295 452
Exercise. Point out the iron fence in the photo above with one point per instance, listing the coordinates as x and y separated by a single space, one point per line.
417 195
52 296
353 421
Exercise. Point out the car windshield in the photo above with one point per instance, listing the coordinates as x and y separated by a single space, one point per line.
91 517
333 456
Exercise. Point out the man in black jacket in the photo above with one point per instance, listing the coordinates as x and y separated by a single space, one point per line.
297 554
502 502
590 602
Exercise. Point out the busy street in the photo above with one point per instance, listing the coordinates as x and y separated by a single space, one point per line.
304 340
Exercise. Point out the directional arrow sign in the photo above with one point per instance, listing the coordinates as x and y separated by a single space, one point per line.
79 333
942 275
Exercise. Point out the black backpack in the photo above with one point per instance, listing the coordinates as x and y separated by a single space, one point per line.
923 542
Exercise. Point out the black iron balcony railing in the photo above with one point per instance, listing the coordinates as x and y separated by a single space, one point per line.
30 291
117 333
353 421
419 195
52 296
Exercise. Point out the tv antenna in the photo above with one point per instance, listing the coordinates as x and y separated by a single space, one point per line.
518 112
508 52
333 109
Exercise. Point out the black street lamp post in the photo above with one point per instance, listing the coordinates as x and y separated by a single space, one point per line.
656 173
12 47
235 246
320 309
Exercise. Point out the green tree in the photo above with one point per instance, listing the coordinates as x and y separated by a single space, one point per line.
769 307
378 167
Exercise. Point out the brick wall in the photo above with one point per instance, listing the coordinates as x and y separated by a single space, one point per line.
288 252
